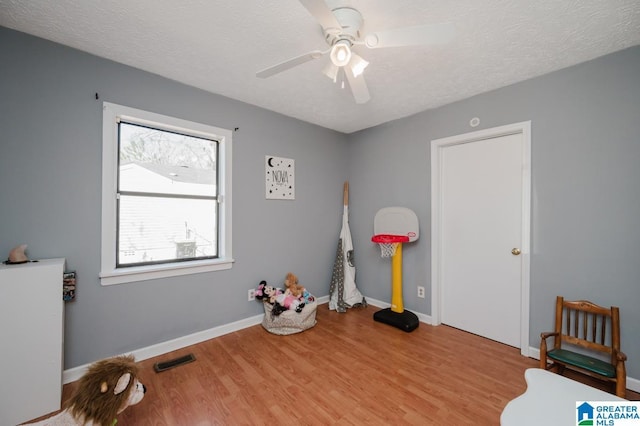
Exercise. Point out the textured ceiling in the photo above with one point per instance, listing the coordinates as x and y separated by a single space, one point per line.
219 45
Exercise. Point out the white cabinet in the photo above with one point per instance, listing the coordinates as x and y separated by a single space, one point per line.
31 335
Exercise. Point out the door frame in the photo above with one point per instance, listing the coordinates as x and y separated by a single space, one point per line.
437 148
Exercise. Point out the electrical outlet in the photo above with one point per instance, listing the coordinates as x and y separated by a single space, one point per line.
251 295
421 292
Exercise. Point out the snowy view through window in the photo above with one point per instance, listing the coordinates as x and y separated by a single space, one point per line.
167 205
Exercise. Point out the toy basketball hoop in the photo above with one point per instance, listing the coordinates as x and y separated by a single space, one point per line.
388 243
393 226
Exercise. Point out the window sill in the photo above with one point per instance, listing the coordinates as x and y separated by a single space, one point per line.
151 272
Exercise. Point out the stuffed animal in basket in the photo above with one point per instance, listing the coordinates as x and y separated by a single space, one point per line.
291 284
288 301
281 301
107 389
267 293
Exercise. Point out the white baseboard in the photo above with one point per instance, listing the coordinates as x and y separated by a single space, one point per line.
633 384
534 353
73 374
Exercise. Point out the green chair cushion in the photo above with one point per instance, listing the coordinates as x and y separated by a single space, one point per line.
595 365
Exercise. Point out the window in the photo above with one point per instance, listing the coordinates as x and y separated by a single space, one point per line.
166 204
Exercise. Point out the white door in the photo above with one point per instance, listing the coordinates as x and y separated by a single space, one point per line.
481 237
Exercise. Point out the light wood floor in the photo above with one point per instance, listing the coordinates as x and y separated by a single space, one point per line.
347 370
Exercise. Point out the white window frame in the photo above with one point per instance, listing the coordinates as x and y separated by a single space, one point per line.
109 274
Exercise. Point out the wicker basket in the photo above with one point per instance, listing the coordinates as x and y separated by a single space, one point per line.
289 322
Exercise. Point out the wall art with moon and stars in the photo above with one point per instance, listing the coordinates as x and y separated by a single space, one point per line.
280 178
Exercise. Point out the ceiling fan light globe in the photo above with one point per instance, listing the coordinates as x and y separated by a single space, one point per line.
340 53
358 65
331 71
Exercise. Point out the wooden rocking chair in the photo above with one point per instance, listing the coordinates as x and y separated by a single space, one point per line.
588 328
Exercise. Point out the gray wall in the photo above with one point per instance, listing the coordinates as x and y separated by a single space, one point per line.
50 174
585 206
585 188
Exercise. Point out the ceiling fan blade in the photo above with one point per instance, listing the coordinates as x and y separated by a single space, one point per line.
412 36
290 63
319 10
358 87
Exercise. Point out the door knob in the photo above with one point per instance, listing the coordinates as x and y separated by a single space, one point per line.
515 251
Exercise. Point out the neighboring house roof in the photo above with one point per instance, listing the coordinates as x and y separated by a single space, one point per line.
184 174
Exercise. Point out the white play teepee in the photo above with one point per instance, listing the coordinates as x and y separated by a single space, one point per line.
343 293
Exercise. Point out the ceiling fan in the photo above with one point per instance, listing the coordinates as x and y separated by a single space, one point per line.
341 28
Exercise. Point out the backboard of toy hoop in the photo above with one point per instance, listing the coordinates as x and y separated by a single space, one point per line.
396 221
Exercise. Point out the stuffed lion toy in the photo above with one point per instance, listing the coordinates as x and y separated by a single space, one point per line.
107 389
